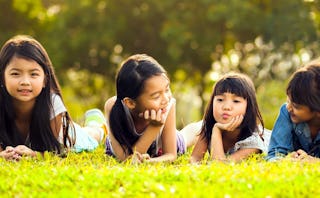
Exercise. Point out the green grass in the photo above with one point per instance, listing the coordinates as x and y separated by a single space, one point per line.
96 175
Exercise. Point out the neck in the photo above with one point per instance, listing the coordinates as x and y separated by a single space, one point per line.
139 123
23 110
231 135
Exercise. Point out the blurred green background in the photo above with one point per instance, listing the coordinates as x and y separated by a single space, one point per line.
195 41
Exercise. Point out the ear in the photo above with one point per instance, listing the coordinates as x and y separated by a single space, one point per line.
131 104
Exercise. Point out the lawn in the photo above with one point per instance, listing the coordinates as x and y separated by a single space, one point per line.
96 175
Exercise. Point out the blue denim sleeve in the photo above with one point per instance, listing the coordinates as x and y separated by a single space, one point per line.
281 141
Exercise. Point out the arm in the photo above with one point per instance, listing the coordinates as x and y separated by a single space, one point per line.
56 125
217 151
199 150
281 141
216 145
117 149
168 137
141 146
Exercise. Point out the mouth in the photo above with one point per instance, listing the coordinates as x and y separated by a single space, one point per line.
292 116
24 91
163 110
226 116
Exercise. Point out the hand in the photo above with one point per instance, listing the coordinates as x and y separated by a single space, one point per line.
232 125
10 154
156 118
301 155
138 158
24 151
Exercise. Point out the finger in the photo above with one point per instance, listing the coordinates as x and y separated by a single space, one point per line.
146 156
301 152
9 148
236 122
159 115
153 114
146 114
293 155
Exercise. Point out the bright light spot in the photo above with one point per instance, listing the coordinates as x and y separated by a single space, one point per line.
305 57
216 66
253 60
172 190
234 59
214 76
53 10
118 49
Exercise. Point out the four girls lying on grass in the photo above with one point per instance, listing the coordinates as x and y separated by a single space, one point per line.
296 132
141 117
232 125
33 117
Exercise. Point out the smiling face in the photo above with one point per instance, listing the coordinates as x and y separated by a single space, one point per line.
227 106
299 113
155 95
24 79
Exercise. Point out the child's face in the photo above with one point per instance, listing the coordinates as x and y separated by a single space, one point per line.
24 79
227 106
299 113
156 95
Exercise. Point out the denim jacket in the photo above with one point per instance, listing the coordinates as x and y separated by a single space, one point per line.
287 137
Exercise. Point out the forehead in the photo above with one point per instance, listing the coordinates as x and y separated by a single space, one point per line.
19 63
155 83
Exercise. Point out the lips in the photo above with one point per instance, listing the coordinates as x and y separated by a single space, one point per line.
164 110
225 116
24 91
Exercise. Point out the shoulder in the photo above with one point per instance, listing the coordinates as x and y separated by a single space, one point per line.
58 105
283 109
109 104
253 141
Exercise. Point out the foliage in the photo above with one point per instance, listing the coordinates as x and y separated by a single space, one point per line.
97 175
265 39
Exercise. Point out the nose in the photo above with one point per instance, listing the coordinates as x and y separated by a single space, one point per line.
226 105
289 107
166 98
25 81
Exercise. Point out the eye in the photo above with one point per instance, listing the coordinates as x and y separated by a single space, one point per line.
34 74
157 96
14 73
219 99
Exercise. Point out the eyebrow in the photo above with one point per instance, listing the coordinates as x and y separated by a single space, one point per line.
157 92
16 69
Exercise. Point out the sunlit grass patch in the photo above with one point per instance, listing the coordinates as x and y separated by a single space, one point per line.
97 175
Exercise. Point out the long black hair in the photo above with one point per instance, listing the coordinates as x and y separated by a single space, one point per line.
130 82
240 85
41 135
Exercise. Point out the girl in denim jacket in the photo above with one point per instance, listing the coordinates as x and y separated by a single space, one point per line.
297 129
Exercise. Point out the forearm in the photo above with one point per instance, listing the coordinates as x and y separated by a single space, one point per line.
168 157
217 151
143 143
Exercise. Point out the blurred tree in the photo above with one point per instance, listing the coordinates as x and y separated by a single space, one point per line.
22 17
187 37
